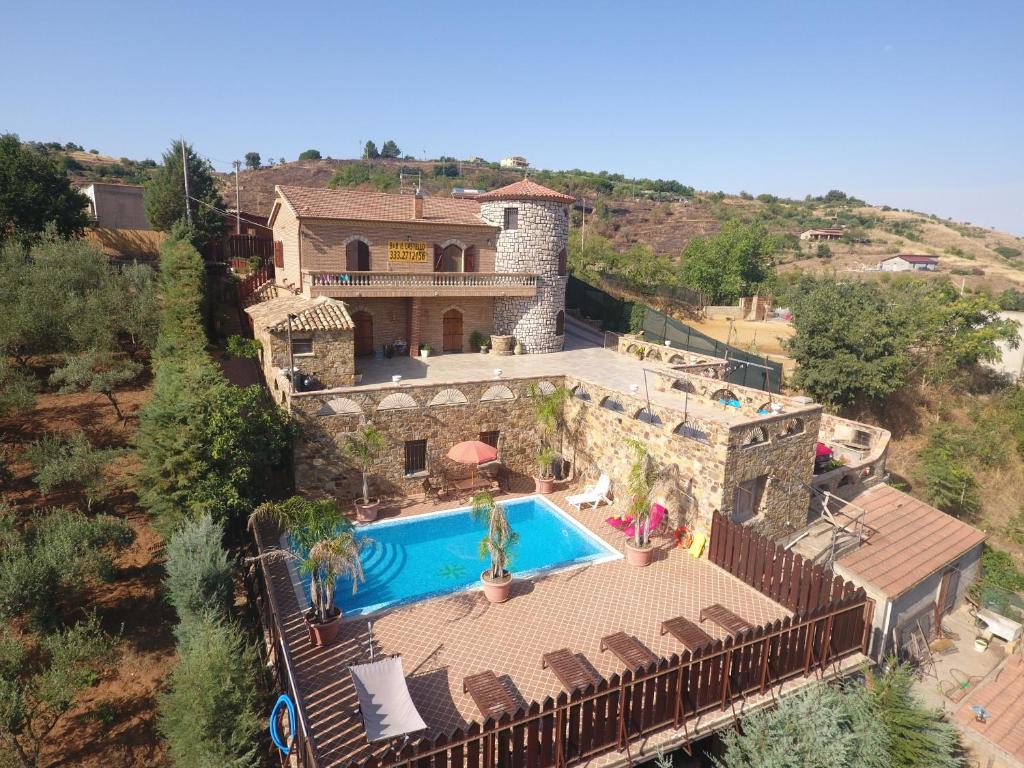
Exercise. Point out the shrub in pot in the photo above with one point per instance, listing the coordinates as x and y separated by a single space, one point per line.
365 447
496 545
644 476
549 410
545 479
476 341
323 542
424 350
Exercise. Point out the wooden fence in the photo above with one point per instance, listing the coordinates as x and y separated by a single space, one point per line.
240 249
248 285
571 730
778 574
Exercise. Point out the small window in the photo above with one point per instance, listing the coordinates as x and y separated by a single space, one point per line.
511 218
563 258
415 457
490 438
560 323
302 346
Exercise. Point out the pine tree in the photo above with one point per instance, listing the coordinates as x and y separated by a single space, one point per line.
165 195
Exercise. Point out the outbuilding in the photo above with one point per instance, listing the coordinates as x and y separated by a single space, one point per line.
905 262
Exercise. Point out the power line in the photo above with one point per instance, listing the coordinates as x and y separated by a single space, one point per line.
228 213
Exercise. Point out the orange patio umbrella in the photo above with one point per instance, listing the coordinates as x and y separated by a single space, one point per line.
472 452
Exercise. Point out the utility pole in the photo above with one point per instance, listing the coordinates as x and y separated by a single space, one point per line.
238 215
184 170
583 232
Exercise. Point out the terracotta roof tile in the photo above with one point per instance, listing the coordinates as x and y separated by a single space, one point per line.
1003 698
308 202
526 190
320 314
913 540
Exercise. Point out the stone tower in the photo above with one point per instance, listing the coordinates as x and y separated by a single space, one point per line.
534 223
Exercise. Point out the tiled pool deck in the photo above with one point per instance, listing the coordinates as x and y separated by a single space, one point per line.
442 640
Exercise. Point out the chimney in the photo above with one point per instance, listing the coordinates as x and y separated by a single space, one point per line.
417 204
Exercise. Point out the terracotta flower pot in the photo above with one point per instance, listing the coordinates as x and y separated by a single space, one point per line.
545 484
639 556
323 633
367 513
496 591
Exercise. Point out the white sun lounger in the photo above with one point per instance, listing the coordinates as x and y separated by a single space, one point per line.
387 709
592 494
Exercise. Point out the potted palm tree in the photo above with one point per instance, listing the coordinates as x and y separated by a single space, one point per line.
365 447
323 542
497 542
643 479
549 410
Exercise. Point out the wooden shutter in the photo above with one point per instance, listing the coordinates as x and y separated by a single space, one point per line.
438 258
279 254
469 259
352 256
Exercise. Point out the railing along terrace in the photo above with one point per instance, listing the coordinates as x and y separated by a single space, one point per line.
421 279
831 623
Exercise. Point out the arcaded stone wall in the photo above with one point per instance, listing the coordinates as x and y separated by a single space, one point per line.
533 247
441 414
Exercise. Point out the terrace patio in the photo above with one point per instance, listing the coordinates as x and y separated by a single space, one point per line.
445 639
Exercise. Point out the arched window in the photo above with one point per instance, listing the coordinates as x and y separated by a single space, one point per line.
452 259
691 431
792 427
357 256
726 397
647 416
563 258
612 404
755 436
560 323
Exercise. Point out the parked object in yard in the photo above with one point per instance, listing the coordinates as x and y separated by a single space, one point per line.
385 705
593 494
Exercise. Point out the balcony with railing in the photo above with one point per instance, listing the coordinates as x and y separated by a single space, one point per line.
342 285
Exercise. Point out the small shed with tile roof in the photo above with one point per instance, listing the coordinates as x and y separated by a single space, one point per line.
916 564
321 337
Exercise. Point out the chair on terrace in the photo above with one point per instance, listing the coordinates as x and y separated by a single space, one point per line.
385 705
572 673
592 494
686 632
491 697
628 650
725 618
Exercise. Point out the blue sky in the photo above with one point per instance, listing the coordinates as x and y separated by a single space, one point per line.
916 105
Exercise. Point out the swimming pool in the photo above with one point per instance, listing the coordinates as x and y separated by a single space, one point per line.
410 559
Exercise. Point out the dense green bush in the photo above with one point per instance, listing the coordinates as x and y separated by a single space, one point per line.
199 578
51 559
70 462
209 714
240 346
733 263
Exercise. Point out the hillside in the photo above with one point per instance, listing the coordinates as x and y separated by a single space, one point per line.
629 213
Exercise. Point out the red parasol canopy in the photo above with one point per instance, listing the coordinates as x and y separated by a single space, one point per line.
472 452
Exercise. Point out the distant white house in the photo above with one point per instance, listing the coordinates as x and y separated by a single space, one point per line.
515 162
821 234
904 262
115 206
1011 361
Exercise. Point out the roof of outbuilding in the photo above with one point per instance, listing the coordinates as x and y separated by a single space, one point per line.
912 542
319 314
917 258
309 202
526 190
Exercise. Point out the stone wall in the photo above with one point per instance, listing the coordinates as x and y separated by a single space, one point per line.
863 449
533 247
441 414
332 361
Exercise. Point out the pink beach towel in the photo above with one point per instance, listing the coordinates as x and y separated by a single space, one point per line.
626 524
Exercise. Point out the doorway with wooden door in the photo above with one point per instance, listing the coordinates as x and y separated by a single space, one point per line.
452 331
363 322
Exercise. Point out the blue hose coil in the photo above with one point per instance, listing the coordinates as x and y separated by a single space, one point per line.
282 701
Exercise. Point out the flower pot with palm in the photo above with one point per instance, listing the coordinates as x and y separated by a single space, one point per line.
644 476
365 446
323 543
496 544
549 410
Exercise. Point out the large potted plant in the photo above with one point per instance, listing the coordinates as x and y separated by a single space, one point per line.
549 410
323 542
365 447
496 545
643 480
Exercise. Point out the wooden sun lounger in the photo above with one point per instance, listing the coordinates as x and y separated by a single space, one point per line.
490 696
686 632
628 649
725 618
570 671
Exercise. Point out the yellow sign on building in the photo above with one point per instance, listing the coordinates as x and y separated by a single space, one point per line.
407 252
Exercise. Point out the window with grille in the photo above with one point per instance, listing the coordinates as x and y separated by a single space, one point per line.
490 438
302 346
511 218
415 456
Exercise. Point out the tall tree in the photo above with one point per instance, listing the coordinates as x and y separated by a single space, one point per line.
390 150
309 154
370 151
733 263
252 160
35 193
165 195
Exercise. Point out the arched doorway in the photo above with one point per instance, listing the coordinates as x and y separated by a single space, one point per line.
452 331
452 258
357 256
363 322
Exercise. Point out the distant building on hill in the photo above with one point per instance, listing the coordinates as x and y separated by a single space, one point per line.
515 162
115 206
821 234
905 262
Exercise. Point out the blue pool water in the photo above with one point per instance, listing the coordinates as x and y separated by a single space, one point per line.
436 554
